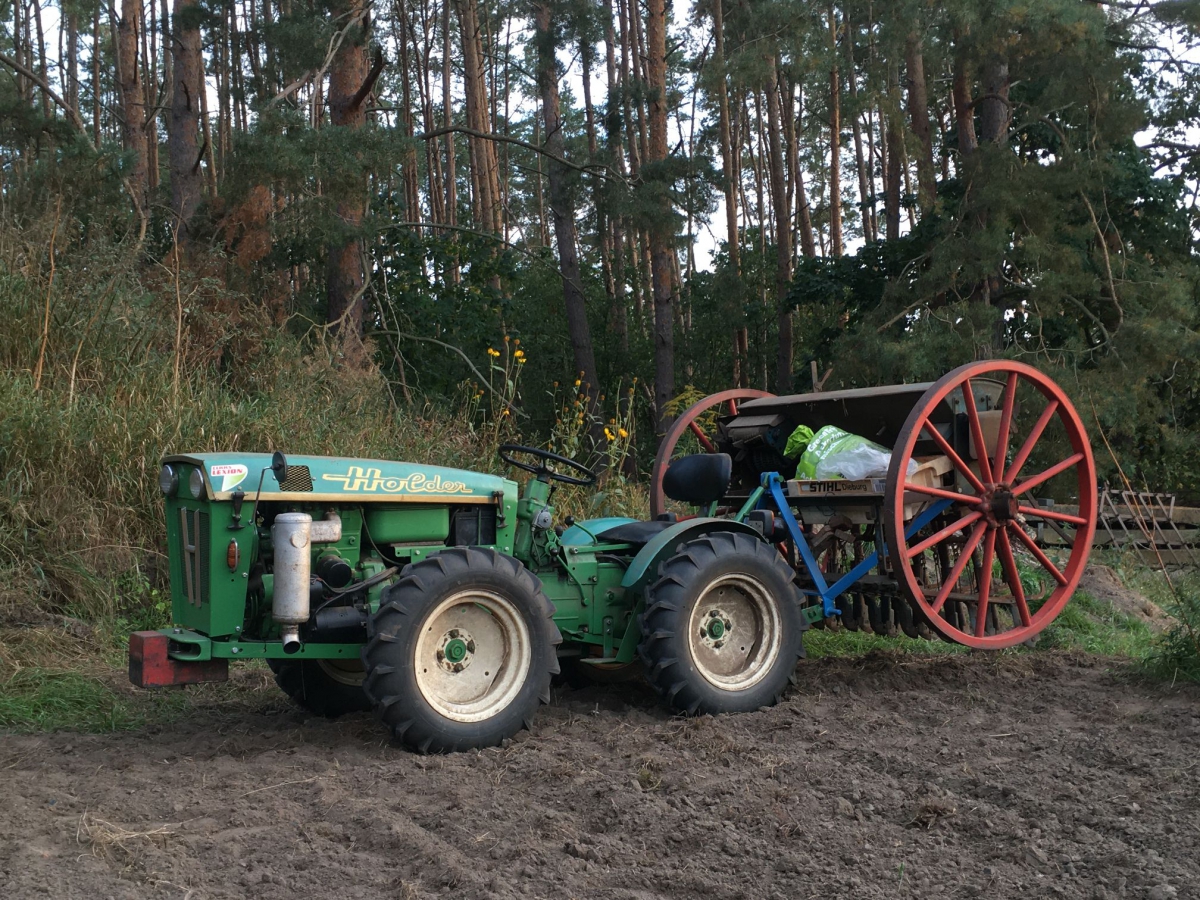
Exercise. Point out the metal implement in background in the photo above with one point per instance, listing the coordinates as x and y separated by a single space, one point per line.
945 542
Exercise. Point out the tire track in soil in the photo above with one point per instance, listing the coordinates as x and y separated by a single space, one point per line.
884 776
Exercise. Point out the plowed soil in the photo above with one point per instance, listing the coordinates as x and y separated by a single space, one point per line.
887 776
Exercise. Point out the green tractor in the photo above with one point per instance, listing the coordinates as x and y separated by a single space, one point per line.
444 599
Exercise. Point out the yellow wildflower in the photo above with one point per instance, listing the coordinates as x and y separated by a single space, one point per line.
520 354
520 360
608 434
577 382
622 432
492 352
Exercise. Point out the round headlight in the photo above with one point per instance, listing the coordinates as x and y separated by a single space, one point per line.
196 483
168 481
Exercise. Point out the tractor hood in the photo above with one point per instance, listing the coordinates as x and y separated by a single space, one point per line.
325 478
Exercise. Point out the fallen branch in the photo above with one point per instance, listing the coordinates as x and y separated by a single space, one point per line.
72 113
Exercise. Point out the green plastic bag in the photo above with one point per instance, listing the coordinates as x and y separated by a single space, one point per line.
834 454
797 441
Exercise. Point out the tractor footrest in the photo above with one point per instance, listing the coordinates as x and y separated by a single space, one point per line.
150 664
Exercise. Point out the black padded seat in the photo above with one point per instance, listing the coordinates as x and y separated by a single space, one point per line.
634 532
699 479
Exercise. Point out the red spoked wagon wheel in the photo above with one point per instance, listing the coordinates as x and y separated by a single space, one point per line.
992 585
690 425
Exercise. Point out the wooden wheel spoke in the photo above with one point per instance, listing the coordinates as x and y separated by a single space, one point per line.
957 460
1034 436
1058 469
1010 403
1040 556
985 583
985 466
961 524
956 570
1051 514
1013 576
942 493
708 445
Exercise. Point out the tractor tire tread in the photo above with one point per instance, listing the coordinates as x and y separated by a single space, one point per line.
663 624
388 686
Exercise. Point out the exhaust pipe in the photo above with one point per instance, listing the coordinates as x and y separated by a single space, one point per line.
292 536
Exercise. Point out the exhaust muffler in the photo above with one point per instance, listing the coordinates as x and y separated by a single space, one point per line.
293 535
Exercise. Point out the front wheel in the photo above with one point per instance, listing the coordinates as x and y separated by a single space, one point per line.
460 652
325 687
722 631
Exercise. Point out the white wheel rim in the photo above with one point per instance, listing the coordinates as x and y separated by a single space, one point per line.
348 672
737 653
487 678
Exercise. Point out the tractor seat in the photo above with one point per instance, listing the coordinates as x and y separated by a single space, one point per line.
635 532
699 479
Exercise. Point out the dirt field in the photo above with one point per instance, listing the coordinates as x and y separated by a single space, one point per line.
889 776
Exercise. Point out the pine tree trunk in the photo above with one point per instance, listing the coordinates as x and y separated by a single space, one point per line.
964 110
483 152
562 208
97 100
349 86
618 313
866 204
730 173
835 145
918 111
783 235
894 148
72 86
995 114
447 121
133 100
47 108
808 241
150 89
187 181
662 231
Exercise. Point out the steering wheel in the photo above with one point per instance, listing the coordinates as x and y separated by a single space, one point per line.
506 451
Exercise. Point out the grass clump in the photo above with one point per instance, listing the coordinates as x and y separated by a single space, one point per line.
38 699
820 643
1175 653
1093 626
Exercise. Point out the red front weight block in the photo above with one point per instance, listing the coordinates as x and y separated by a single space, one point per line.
150 666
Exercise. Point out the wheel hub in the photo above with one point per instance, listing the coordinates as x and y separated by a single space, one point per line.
1000 506
455 650
716 629
734 632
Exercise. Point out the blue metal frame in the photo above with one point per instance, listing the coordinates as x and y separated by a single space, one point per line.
773 483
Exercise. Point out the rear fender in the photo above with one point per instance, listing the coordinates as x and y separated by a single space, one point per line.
645 565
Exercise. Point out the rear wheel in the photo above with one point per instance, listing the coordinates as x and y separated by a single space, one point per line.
1002 587
722 631
460 652
325 687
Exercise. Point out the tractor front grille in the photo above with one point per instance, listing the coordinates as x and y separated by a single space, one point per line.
298 479
195 545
